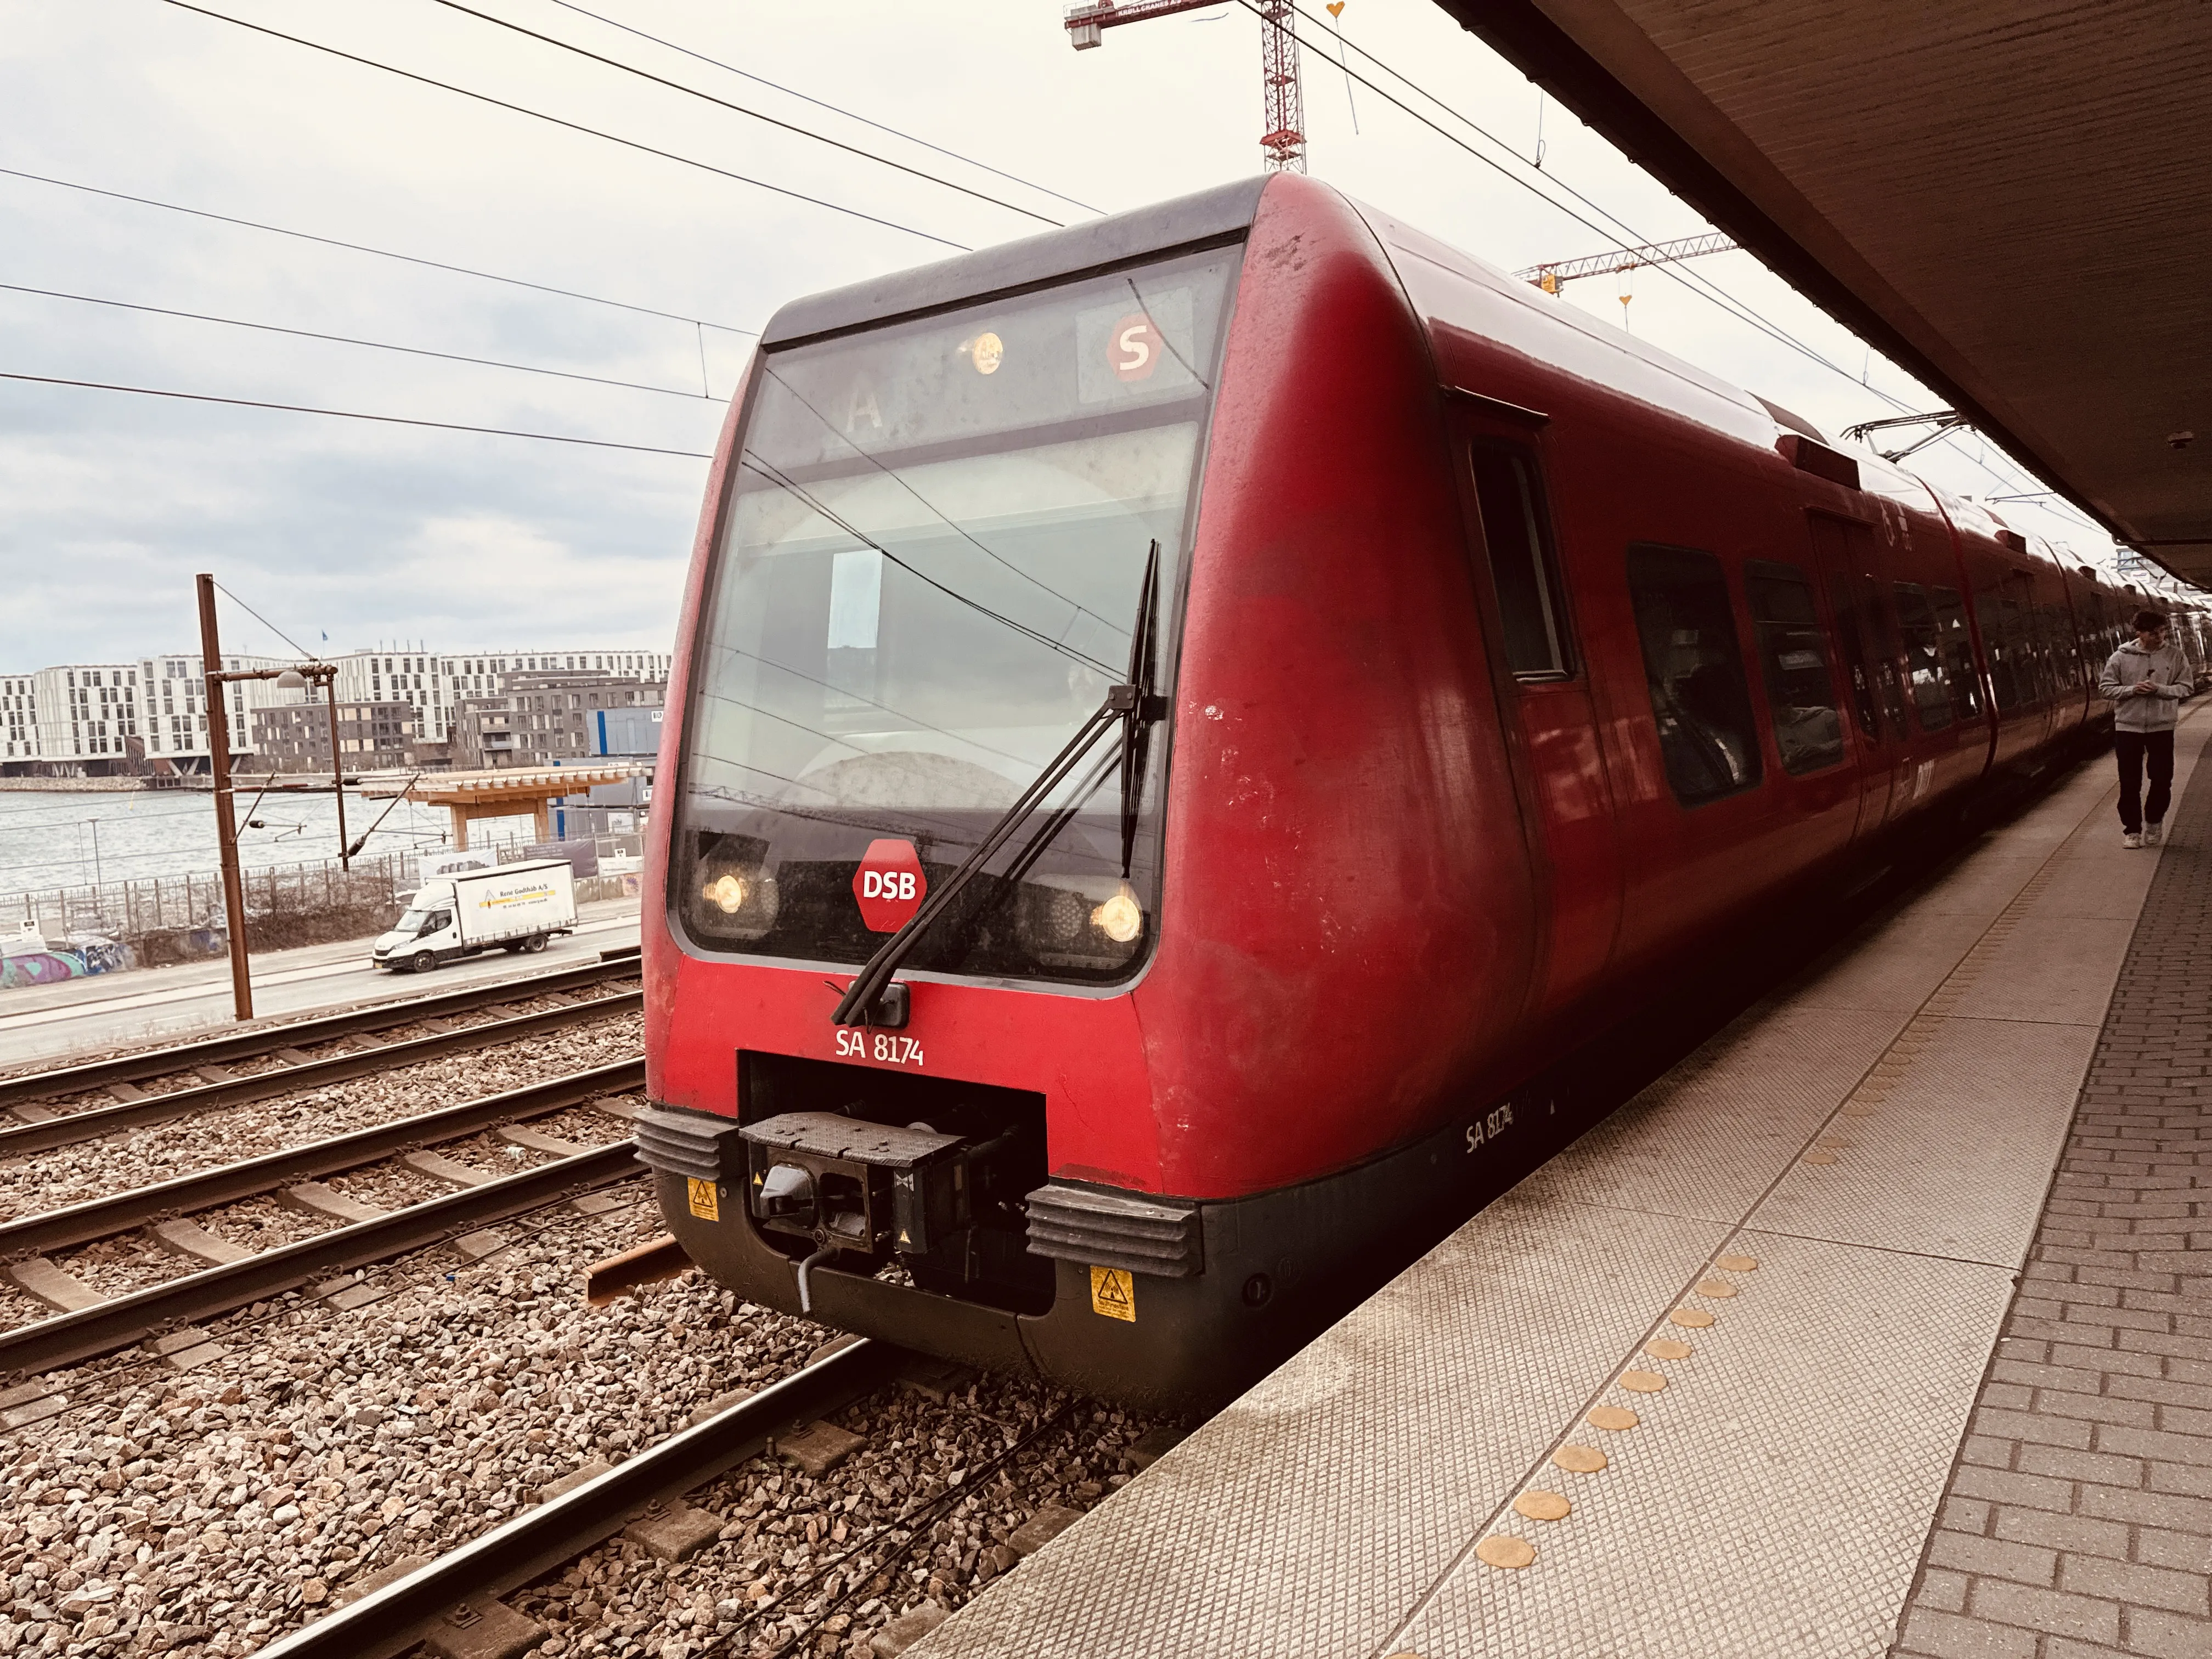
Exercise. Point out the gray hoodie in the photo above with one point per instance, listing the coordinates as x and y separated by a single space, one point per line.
2155 711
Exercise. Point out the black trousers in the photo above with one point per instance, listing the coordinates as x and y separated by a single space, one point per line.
2133 749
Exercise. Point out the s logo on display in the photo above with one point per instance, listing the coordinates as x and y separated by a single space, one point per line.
1134 348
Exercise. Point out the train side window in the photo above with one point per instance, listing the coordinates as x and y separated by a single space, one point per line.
1923 655
1801 691
1523 569
1958 653
1693 666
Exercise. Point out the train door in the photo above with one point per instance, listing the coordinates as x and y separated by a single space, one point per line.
1559 765
2004 604
1844 549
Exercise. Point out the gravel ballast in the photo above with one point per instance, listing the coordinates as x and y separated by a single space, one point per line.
52 1179
205 1513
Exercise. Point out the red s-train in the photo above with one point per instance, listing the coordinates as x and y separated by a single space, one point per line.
1429 671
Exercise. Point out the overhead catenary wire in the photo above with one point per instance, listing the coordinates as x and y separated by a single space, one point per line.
1694 282
804 98
937 513
353 415
354 340
740 109
306 655
572 126
379 252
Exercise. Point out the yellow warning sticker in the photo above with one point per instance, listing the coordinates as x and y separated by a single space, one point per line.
704 1204
1114 1293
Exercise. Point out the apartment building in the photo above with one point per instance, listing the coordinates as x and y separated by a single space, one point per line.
89 719
434 685
295 737
541 718
172 703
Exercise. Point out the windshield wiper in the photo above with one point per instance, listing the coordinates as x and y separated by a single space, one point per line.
1136 708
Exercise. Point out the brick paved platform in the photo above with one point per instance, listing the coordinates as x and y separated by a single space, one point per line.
1718 1379
2078 1519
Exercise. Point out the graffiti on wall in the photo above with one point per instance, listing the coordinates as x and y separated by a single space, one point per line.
50 964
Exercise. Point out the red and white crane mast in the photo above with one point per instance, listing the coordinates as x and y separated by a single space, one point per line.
1284 139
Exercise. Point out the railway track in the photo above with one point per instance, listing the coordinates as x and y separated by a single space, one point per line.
115 1323
121 1072
461 1589
392 1620
47 1131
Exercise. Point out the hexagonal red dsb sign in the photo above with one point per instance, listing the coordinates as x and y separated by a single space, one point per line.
889 885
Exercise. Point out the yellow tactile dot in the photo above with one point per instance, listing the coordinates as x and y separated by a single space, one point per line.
1615 1418
1737 1264
1580 1459
1502 1549
1542 1505
1642 1381
1719 1289
1695 1319
1665 1347
1819 1156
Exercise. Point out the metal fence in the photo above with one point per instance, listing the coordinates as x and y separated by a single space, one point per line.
160 908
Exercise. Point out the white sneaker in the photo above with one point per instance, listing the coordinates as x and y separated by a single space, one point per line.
2151 833
2131 840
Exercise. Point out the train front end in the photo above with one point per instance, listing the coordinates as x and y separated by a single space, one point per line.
1114 1112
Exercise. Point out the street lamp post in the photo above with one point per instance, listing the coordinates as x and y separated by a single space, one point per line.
226 814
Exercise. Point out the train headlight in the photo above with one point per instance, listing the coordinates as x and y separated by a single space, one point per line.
1122 918
727 893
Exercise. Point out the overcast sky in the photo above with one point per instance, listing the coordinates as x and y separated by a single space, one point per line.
368 532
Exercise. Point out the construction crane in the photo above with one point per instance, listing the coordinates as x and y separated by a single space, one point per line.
1550 277
1284 141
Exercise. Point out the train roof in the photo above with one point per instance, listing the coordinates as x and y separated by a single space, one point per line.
1225 214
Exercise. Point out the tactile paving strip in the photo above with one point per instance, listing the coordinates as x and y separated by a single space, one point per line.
1795 1454
1360 1502
1707 1138
1307 1517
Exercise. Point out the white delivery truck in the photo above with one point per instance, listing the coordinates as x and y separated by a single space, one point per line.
517 906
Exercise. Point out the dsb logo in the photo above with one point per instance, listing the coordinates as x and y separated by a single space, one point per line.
890 885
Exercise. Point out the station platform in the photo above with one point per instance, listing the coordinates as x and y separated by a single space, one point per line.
1801 1352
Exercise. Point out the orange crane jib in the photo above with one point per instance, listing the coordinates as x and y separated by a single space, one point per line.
1550 277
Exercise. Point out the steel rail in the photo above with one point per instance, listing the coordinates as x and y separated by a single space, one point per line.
618 964
391 1620
71 1127
68 1338
102 1218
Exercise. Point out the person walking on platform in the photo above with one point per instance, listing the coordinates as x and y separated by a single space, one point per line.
2145 681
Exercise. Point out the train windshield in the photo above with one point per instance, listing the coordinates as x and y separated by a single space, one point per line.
929 574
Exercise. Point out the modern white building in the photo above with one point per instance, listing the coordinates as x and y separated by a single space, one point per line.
434 684
19 717
174 707
93 718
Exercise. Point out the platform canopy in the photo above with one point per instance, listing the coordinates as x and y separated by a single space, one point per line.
2010 199
510 792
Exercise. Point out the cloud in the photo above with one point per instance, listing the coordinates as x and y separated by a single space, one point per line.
110 502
